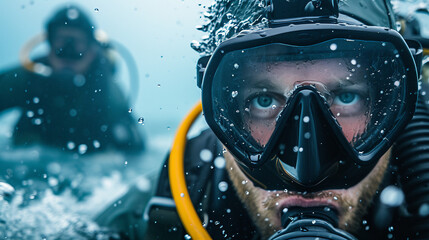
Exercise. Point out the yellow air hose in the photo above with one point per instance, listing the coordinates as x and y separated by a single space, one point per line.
24 55
176 172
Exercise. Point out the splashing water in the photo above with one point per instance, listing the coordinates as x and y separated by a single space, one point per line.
227 18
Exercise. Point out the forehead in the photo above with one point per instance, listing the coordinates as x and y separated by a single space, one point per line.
280 72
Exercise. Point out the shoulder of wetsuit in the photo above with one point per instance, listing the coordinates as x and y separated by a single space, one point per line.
124 217
210 189
199 154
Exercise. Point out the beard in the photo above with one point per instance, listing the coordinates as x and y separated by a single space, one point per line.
265 207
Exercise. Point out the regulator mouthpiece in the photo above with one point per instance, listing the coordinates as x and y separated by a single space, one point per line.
311 223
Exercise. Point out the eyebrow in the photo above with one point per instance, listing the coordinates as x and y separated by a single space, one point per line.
261 84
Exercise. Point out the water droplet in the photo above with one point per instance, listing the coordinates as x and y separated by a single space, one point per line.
247 192
96 144
383 44
396 83
187 237
327 209
206 155
30 114
301 149
141 121
158 85
228 210
234 94
96 10
36 100
223 186
333 47
307 135
424 210
71 145
236 66
244 182
182 194
82 148
353 62
306 119
385 62
313 222
364 222
285 210
295 148
274 107
366 228
130 110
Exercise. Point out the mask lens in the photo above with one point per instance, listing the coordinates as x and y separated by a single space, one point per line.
362 83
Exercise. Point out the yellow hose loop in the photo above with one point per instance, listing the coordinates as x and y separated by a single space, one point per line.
24 54
176 172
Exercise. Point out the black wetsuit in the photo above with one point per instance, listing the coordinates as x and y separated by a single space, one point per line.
76 113
222 211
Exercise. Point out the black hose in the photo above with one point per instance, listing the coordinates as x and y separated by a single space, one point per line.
412 156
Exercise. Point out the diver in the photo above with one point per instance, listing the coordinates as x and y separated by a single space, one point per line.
313 130
70 99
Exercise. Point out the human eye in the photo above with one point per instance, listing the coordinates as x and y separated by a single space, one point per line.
264 106
349 103
347 98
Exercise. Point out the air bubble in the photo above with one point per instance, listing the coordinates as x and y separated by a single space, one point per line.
424 210
71 145
306 119
236 66
333 47
396 83
141 121
234 94
307 135
295 149
223 186
353 62
96 144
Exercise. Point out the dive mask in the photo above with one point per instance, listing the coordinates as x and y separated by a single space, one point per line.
309 107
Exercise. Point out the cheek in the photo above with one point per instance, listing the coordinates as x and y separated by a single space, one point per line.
352 126
261 131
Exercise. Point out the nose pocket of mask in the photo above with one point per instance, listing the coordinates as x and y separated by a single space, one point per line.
307 143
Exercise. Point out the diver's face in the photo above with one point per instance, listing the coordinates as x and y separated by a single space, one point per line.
265 96
265 207
72 50
271 84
